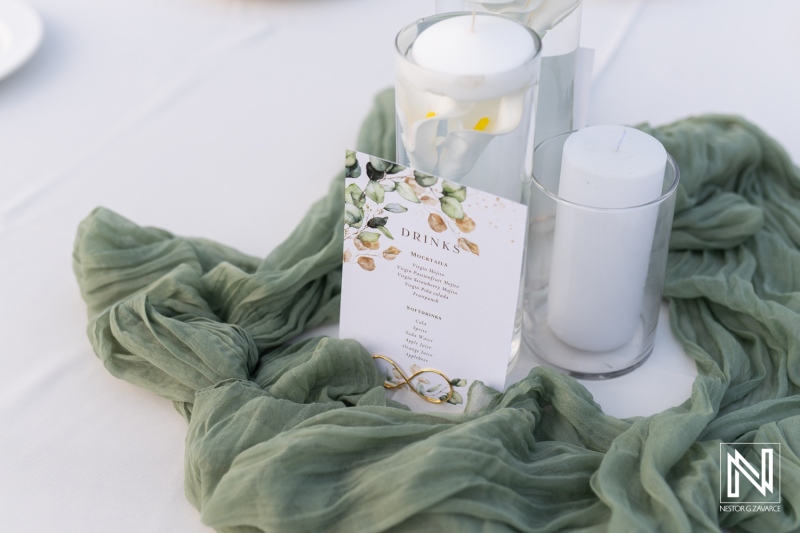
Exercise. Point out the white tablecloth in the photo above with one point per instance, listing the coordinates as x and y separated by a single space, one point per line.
191 115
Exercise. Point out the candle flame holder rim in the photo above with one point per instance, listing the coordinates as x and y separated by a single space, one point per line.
671 163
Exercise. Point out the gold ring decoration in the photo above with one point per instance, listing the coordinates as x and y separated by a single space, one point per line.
407 381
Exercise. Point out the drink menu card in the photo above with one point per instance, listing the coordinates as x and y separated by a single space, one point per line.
431 276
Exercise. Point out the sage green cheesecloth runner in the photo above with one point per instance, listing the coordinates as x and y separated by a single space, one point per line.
301 437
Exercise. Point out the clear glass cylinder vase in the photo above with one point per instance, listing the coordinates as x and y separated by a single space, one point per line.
594 276
475 130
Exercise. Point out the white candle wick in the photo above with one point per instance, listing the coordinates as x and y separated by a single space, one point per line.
619 144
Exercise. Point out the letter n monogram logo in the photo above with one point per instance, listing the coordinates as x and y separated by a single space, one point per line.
736 472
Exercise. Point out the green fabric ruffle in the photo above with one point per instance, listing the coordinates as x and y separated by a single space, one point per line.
301 438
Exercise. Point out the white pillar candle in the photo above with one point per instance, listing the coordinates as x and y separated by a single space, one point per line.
601 256
473 46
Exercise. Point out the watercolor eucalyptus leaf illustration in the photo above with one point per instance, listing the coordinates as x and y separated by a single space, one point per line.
367 263
404 190
375 192
387 167
385 231
458 382
427 200
469 246
452 207
366 245
354 195
353 216
411 182
374 174
436 223
424 180
376 222
391 253
456 398
368 236
395 208
380 165
352 168
454 190
466 224
366 216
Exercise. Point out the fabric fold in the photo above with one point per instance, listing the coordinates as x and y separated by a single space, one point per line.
287 437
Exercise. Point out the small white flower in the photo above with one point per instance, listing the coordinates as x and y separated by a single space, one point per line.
470 134
446 137
420 113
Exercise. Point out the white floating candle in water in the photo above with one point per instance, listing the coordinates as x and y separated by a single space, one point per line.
462 96
601 256
473 46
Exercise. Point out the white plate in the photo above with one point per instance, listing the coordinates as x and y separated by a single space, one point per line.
20 35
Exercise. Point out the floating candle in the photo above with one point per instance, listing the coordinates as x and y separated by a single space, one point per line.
465 87
473 46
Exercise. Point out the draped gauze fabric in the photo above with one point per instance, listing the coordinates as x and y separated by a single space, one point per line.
301 437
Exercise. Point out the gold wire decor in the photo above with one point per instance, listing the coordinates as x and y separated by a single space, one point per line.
407 381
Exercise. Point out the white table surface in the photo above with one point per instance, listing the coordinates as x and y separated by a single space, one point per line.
190 115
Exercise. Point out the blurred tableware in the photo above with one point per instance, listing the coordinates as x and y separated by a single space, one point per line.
20 35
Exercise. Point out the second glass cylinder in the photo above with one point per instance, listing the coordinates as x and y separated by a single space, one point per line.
473 129
594 275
